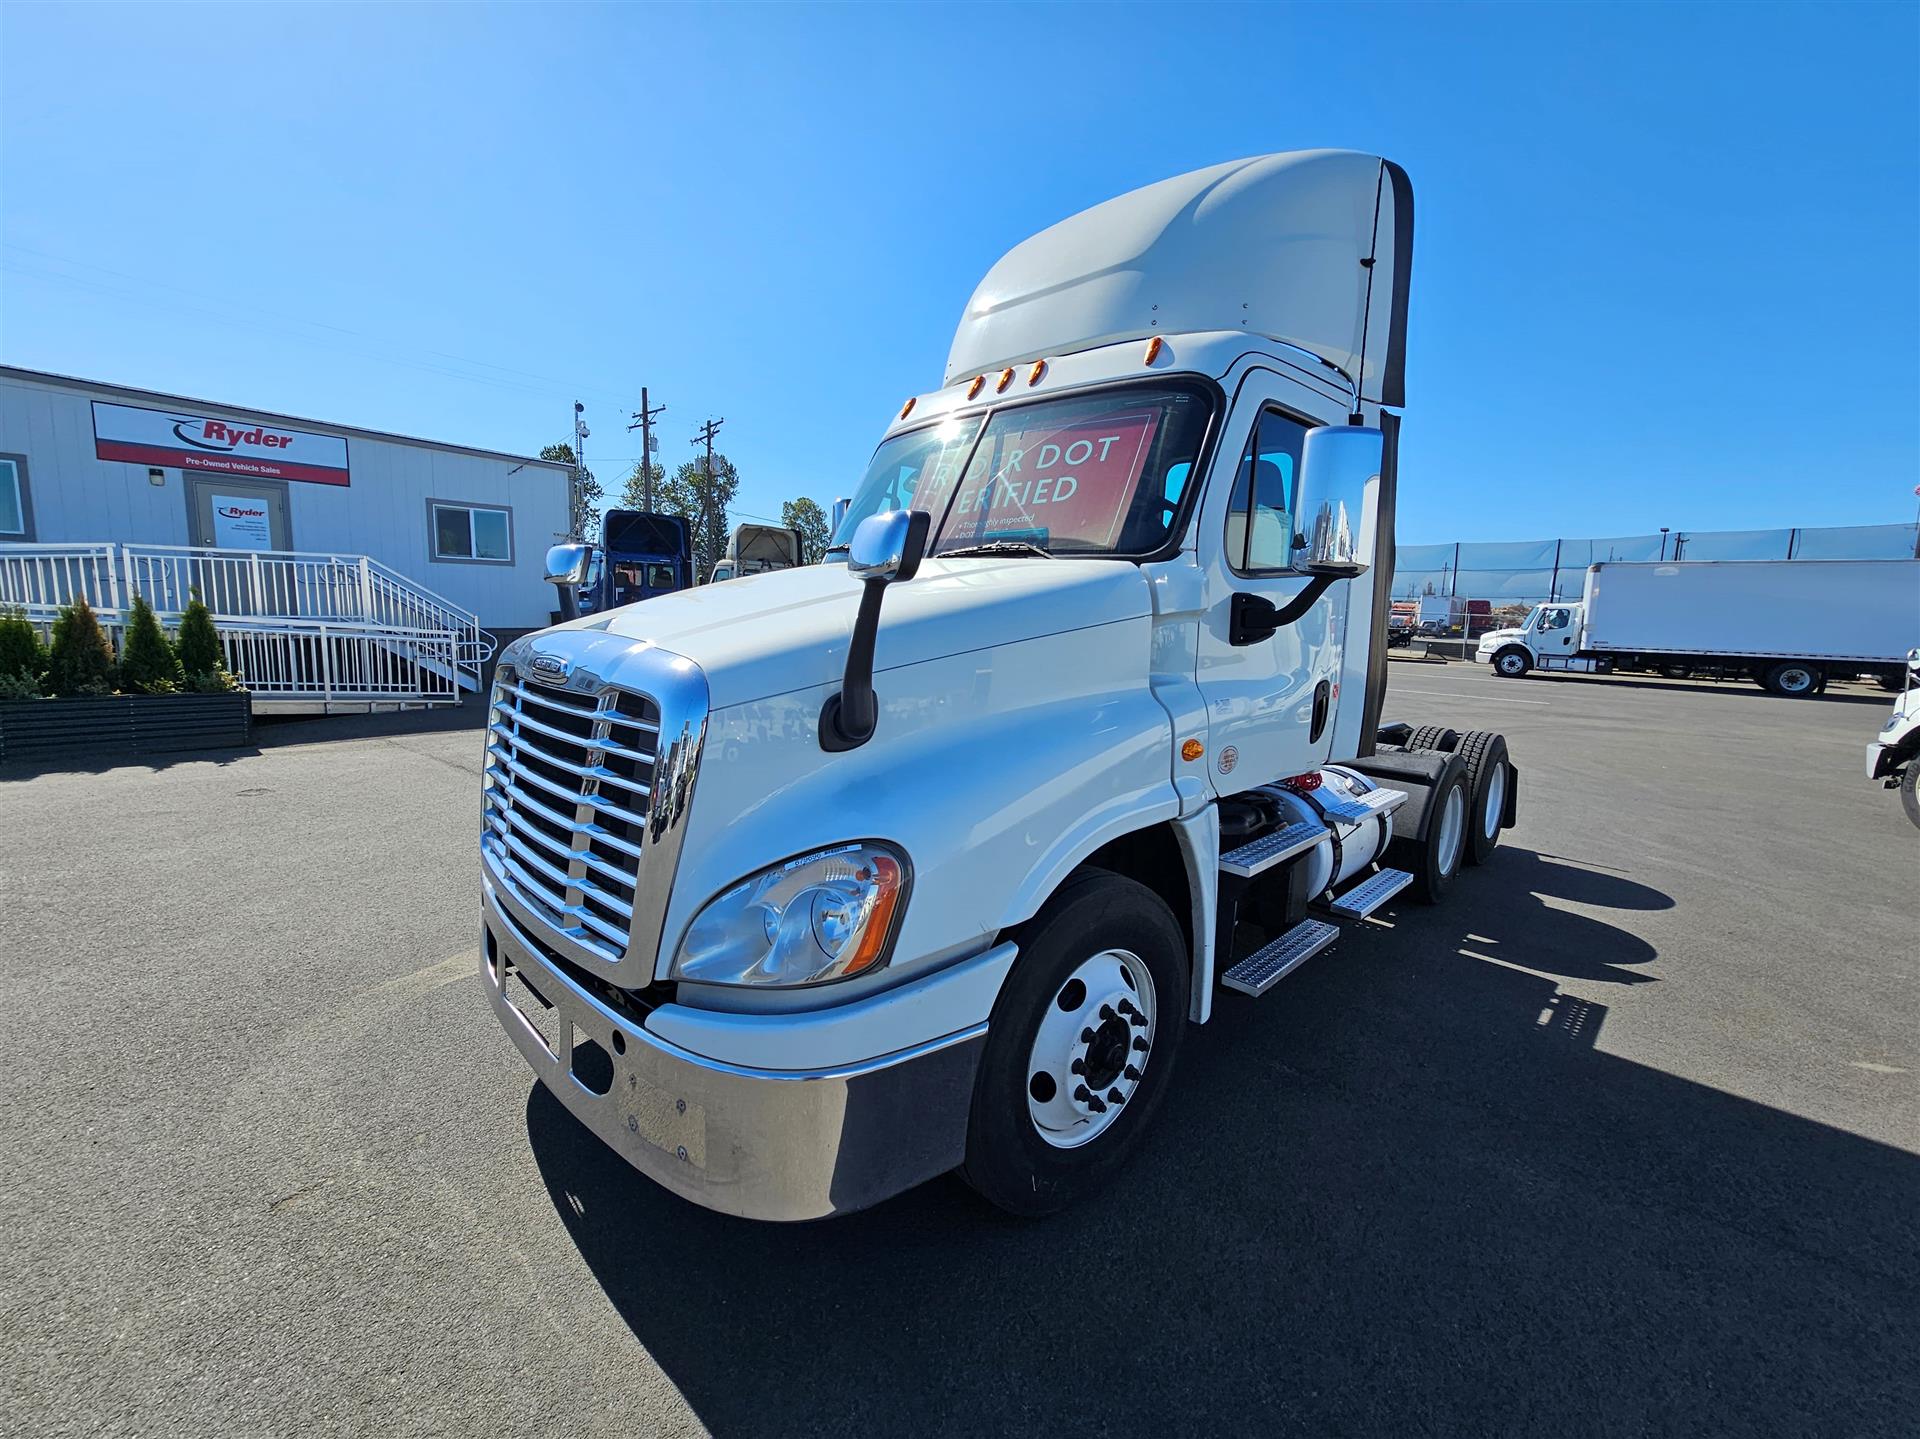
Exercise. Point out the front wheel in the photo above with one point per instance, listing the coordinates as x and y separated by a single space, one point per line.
1512 662
1080 1045
1909 795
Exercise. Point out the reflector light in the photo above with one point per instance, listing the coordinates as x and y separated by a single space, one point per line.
1039 369
1153 350
1192 750
974 388
907 409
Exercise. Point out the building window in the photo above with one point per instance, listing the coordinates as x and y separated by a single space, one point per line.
472 534
16 515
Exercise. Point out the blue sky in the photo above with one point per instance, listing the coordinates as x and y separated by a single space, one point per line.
1667 261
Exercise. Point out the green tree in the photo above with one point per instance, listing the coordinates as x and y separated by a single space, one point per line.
703 503
81 659
148 664
807 517
584 522
21 652
199 642
634 495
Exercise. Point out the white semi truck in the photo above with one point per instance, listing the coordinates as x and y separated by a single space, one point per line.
757 550
1789 625
805 888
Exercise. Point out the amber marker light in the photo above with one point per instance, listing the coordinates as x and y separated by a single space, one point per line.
1039 369
1192 750
885 877
974 388
907 409
1153 350
1006 378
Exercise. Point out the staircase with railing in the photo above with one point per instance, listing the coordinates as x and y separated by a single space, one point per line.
306 632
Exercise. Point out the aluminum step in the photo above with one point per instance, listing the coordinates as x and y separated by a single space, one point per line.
1267 966
1368 895
1268 850
1371 805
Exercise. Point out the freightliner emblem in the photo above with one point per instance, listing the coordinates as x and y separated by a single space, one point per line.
550 667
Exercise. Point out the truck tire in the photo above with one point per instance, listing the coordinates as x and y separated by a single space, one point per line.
1910 790
1434 736
1435 860
1794 678
1512 662
1080 1046
1488 778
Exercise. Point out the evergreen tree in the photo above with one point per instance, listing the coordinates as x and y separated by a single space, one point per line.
148 664
21 652
199 642
81 660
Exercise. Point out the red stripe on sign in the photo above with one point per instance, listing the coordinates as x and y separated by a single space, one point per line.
241 467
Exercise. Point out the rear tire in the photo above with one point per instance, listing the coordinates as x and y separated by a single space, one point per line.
1034 1146
1436 737
1512 662
1488 777
1794 679
1435 861
1910 790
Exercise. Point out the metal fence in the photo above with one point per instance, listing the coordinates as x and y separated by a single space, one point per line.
1490 584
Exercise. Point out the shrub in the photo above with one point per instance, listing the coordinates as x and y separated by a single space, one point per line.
16 686
212 682
81 660
21 652
147 662
199 650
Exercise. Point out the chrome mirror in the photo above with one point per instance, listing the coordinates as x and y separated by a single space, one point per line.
888 546
1338 491
569 564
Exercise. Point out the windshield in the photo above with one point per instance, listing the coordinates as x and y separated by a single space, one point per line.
1088 474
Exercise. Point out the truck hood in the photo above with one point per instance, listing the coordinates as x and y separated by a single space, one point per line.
771 634
1488 637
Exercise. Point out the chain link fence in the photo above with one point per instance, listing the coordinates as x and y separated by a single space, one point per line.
1448 595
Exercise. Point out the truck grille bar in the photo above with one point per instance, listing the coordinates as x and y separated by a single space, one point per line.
569 775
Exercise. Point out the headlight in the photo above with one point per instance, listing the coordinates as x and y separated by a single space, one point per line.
824 916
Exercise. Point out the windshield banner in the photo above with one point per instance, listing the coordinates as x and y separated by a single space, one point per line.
1070 483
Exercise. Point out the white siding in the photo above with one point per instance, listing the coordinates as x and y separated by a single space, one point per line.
382 513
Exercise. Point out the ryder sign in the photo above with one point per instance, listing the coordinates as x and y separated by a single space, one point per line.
200 440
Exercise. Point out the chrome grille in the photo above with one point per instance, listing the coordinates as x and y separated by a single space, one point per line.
569 775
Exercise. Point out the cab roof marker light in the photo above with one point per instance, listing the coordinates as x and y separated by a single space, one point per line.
1006 378
1039 369
974 388
907 409
1153 350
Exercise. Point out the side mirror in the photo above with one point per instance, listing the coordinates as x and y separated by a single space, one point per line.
1337 500
889 546
569 564
886 547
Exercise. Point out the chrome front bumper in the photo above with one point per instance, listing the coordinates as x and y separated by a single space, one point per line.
763 1144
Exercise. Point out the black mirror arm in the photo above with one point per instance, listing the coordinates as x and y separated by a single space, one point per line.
1252 618
847 718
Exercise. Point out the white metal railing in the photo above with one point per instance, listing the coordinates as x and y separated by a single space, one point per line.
284 592
317 660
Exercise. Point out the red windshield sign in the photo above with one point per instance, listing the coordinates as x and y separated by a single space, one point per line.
1073 482
198 440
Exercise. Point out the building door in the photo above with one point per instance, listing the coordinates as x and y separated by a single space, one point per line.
245 518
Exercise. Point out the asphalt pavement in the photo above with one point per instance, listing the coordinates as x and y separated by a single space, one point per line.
1621 1139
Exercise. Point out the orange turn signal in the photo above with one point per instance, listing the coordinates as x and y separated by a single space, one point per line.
974 388
873 939
1192 750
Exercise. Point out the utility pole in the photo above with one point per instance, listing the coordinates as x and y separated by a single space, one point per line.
705 437
643 421
577 521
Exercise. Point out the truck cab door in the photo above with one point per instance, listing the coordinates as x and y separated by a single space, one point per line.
1269 701
1556 636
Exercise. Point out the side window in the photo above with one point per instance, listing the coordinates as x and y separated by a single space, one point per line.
14 513
1259 518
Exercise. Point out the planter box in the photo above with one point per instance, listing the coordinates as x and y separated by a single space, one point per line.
117 726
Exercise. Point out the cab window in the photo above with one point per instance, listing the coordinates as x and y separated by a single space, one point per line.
1259 514
1555 619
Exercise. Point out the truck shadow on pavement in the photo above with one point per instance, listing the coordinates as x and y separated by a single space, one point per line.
1404 1191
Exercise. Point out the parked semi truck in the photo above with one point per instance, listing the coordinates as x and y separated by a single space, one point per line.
1893 756
758 550
641 554
1789 625
806 888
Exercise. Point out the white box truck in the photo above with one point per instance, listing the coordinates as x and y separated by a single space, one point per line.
1790 625
805 888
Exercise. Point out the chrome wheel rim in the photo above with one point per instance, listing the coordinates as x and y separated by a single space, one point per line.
1796 681
1496 801
1090 1053
1453 828
1509 664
